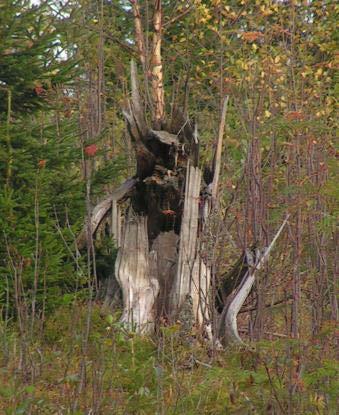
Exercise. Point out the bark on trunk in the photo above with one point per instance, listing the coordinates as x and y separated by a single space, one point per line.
139 35
157 72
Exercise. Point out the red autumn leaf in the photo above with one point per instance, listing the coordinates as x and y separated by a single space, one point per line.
251 36
168 212
91 150
294 115
39 90
68 113
41 164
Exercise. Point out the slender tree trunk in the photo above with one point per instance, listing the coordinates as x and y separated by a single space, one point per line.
157 70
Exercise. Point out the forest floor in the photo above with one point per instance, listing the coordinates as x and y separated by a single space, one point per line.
77 365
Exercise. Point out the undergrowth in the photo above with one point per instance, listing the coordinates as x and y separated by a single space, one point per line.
61 370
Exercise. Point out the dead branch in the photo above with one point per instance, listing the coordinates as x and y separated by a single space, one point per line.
218 151
101 209
276 303
228 323
178 17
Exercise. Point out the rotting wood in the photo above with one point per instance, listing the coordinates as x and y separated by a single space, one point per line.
132 271
116 223
165 249
165 137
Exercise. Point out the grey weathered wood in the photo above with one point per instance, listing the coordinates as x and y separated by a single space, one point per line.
228 324
188 237
101 209
133 272
116 222
165 137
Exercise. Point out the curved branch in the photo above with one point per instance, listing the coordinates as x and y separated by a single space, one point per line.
101 209
228 323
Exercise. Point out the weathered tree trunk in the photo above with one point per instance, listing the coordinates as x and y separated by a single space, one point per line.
133 270
159 266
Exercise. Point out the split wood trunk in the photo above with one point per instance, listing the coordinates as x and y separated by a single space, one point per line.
159 267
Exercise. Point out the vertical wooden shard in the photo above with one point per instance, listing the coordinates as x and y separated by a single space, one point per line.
116 223
133 272
188 238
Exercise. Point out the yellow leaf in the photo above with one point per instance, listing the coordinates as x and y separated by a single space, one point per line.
319 72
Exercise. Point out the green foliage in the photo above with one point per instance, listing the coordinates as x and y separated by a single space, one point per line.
142 375
30 44
40 197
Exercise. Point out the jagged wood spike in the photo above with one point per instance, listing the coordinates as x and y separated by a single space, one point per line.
195 145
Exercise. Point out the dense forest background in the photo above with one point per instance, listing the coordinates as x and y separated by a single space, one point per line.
64 145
